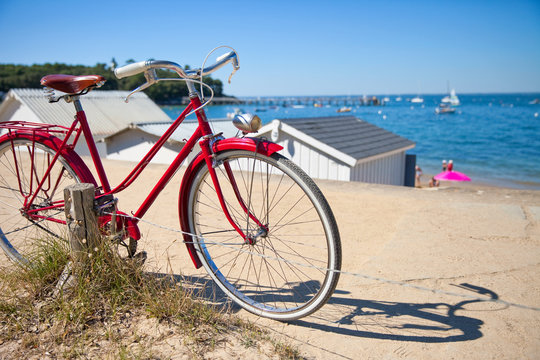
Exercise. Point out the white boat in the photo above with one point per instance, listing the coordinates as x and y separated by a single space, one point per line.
417 100
451 99
445 109
237 111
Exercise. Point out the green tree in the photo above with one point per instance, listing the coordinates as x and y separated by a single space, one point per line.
24 76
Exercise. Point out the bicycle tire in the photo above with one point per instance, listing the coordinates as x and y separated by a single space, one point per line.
293 269
20 157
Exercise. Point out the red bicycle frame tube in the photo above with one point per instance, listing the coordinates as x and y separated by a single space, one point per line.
81 117
202 130
152 152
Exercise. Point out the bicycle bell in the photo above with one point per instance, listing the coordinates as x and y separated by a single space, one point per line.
247 123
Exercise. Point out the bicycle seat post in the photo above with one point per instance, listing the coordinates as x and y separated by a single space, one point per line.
81 117
77 103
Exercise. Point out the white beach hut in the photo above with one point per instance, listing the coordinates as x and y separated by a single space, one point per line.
343 148
106 111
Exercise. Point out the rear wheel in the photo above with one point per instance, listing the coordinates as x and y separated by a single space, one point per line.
289 267
24 164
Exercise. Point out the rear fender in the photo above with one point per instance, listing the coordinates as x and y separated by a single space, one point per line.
79 166
250 144
45 138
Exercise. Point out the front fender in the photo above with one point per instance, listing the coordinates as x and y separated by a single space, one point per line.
258 145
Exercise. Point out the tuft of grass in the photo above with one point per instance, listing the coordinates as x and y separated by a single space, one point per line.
97 312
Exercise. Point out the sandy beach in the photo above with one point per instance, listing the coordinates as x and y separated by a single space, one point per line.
417 260
462 239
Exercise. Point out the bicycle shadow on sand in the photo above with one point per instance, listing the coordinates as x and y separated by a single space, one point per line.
436 322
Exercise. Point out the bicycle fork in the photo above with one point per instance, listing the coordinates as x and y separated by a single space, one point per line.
209 157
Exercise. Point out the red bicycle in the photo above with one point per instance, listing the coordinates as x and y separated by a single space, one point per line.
257 223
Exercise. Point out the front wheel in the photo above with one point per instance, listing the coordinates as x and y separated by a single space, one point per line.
290 266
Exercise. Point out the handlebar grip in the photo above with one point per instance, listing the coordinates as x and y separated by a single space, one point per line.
130 69
224 56
231 55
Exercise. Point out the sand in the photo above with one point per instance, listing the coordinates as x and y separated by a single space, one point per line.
464 239
459 238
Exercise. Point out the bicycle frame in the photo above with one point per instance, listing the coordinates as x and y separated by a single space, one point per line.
209 145
258 224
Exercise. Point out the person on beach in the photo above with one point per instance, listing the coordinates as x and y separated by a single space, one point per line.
418 175
444 165
433 182
450 165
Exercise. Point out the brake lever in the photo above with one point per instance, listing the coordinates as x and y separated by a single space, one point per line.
235 65
151 79
230 76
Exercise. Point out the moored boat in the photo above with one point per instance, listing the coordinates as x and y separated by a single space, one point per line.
445 109
451 99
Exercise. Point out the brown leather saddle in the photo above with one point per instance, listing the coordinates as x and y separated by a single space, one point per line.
71 84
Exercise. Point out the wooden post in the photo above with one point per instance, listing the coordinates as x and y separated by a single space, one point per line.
83 231
81 219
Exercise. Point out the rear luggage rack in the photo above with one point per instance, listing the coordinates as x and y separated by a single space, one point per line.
24 125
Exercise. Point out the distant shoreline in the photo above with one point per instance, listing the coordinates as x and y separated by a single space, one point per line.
405 94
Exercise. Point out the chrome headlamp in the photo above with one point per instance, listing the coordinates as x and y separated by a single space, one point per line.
247 123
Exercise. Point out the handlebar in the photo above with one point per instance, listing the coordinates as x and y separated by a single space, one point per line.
144 66
149 68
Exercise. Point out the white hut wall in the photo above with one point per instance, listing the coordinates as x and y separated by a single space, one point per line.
133 144
15 111
315 163
82 148
389 169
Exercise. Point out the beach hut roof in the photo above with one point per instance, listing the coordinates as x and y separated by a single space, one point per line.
346 138
106 111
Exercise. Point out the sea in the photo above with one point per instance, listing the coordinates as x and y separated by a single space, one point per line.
493 138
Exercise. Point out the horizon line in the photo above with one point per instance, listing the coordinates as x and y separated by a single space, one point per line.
392 94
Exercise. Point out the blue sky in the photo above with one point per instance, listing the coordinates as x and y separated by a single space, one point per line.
295 47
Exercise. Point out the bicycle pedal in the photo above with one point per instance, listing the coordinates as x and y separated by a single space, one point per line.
140 257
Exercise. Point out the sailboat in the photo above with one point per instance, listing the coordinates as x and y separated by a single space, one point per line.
451 99
417 99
